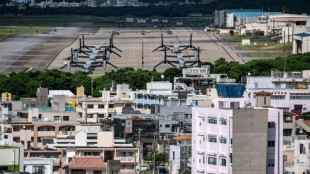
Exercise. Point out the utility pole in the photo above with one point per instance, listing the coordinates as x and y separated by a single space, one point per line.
154 155
139 149
288 40
92 87
283 43
142 52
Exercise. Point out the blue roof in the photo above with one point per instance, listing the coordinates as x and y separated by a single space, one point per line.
252 14
230 90
302 34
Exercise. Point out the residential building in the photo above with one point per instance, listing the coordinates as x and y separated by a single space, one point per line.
290 91
40 165
158 93
180 154
220 138
12 158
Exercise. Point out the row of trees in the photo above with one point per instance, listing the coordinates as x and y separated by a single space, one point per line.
24 84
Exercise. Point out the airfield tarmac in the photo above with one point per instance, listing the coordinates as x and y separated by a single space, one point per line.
48 51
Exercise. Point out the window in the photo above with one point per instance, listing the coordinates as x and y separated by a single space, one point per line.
40 128
223 141
130 167
65 118
223 162
123 166
287 132
50 129
212 121
270 163
212 160
167 126
5 136
212 139
38 170
270 143
39 140
130 154
97 172
122 154
90 106
16 129
91 153
284 157
173 155
56 118
90 115
100 115
100 106
271 124
223 122
203 159
111 105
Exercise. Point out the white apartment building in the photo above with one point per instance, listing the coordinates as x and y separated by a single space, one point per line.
221 136
157 93
290 90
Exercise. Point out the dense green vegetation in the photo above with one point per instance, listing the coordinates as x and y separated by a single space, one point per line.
24 84
305 115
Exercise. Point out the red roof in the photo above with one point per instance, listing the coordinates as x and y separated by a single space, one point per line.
183 137
135 118
87 163
263 93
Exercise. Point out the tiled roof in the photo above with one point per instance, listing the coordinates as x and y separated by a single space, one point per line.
134 118
263 93
183 137
87 163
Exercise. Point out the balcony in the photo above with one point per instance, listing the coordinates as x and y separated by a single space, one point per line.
127 171
227 80
66 133
126 159
46 133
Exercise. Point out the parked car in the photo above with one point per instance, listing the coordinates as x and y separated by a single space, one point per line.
162 171
143 168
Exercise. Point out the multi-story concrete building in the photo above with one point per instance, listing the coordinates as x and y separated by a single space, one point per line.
237 141
180 154
290 91
12 158
158 93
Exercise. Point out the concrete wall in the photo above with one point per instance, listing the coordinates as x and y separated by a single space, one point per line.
250 141
46 163
105 139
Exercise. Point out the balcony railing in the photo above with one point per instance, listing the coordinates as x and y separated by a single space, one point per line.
126 159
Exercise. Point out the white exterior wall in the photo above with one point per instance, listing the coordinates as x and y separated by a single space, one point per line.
201 129
275 134
305 44
258 84
301 160
176 161
46 163
202 149
230 20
